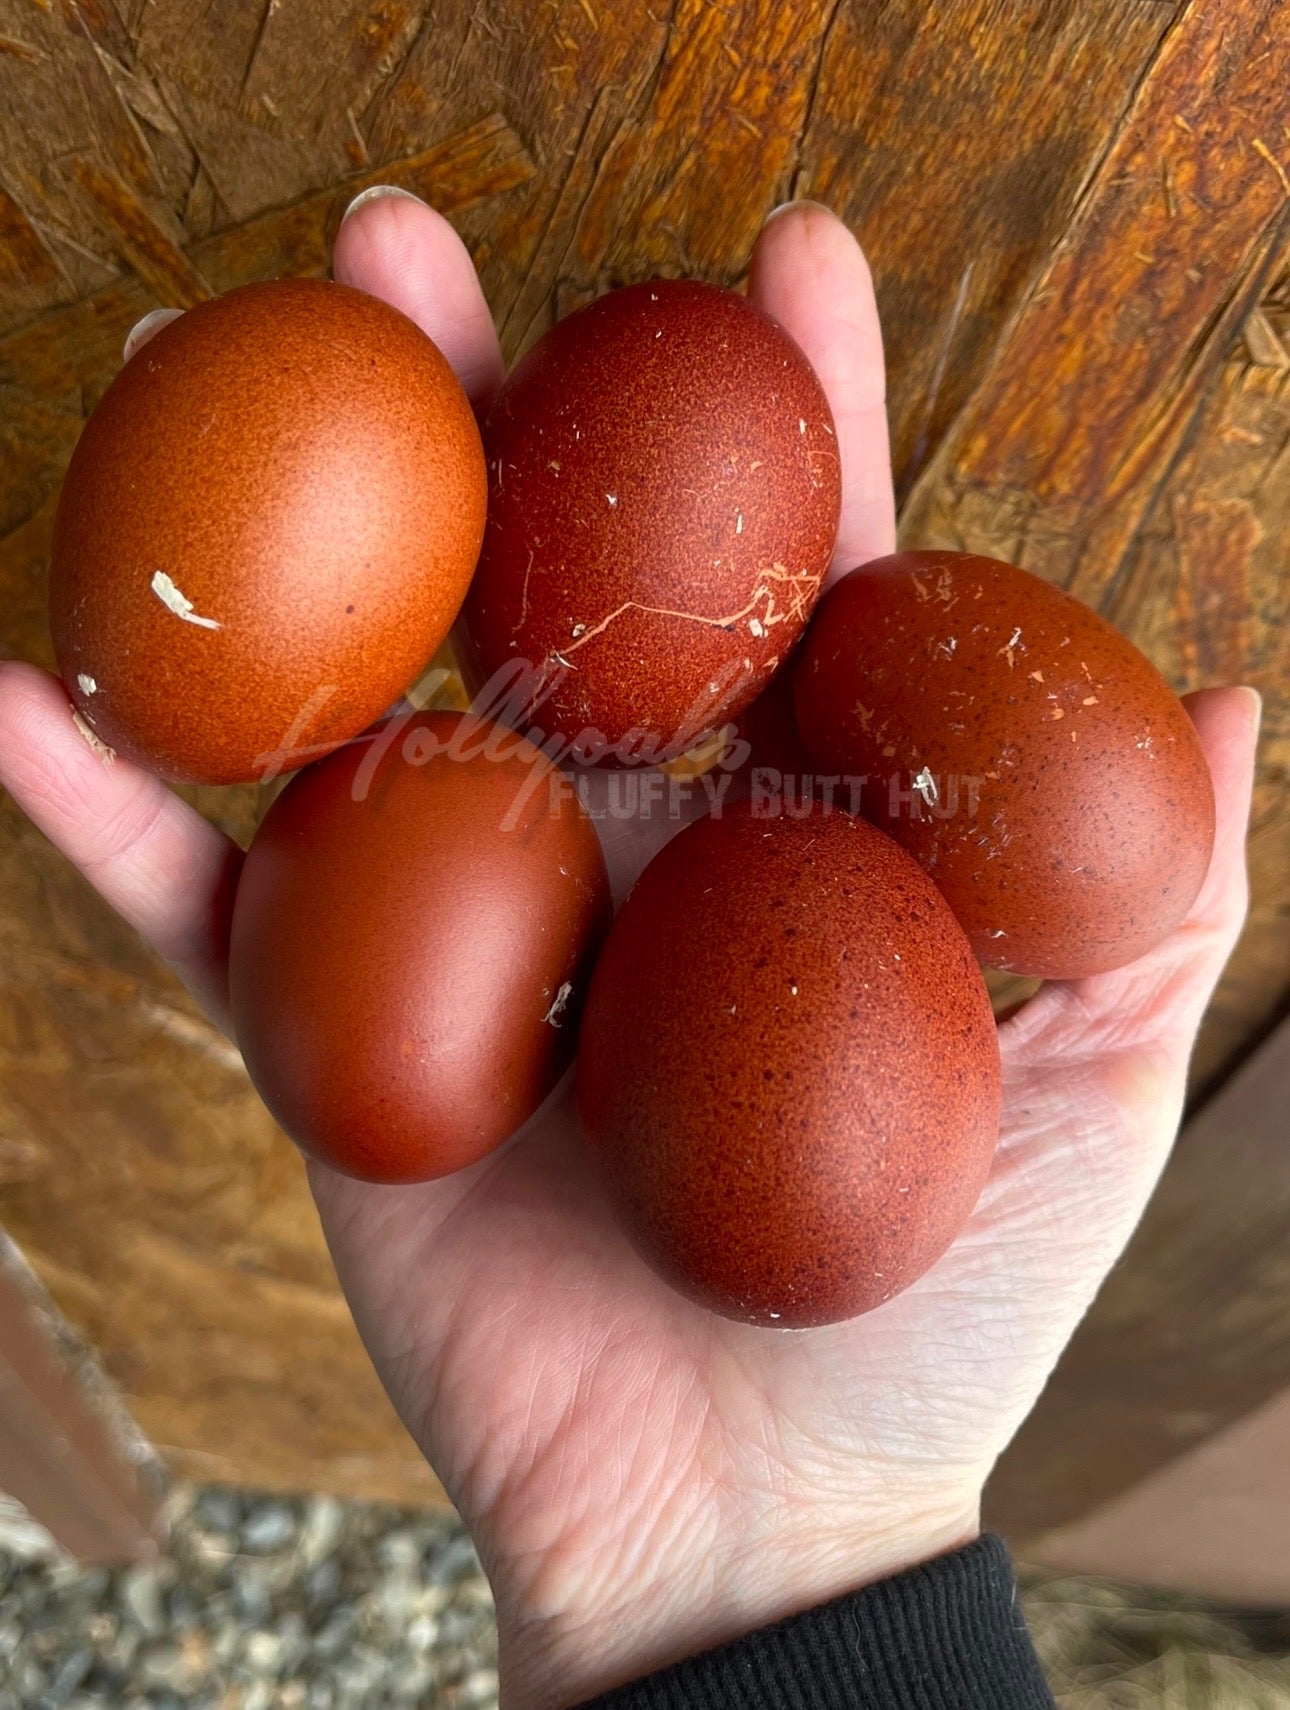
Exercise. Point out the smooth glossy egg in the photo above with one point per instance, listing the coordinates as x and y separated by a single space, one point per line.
412 935
663 502
788 1071
266 529
1034 762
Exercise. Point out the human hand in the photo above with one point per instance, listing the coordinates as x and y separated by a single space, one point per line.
645 1480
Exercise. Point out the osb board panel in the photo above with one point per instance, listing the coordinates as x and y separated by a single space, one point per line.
1083 404
150 150
662 133
53 371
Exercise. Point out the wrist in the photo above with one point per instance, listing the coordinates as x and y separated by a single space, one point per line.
577 1630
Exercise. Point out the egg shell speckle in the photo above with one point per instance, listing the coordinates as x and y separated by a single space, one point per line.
413 932
266 529
664 490
789 1071
1046 776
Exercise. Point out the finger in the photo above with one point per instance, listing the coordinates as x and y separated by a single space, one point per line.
156 861
811 275
1161 997
1227 723
394 246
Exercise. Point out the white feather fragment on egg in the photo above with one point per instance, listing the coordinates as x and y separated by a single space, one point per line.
169 595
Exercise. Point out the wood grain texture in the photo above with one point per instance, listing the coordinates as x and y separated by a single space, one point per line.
77 90
1126 326
53 371
959 151
143 243
26 266
64 1457
1035 183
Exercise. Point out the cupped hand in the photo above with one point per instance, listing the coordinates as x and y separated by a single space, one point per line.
644 1480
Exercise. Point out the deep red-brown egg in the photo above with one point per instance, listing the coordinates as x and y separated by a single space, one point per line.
1034 762
788 1068
412 935
663 501
266 529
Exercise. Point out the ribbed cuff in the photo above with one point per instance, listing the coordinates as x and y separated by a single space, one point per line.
948 1635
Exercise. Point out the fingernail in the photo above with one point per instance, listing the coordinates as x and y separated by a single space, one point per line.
797 202
374 193
143 330
1256 704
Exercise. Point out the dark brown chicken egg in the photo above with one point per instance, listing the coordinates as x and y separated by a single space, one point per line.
266 529
788 1068
413 931
1034 762
663 500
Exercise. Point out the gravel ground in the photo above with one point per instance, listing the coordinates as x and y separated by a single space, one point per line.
266 1603
260 1603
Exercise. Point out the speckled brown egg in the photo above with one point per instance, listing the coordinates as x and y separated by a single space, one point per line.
1023 750
266 529
413 931
788 1070
663 502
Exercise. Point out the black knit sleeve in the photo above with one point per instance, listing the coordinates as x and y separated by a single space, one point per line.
948 1635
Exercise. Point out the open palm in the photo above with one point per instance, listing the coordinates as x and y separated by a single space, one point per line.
643 1479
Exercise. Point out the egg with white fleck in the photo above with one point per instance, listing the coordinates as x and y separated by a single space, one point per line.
1018 746
414 928
664 489
266 529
